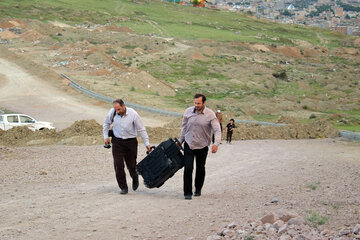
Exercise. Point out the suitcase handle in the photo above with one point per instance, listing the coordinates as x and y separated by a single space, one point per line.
151 148
179 144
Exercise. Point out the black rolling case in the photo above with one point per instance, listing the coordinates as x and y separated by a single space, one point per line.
161 164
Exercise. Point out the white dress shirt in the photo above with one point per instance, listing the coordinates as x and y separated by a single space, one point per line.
125 126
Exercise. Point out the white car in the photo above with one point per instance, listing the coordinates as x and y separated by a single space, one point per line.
8 121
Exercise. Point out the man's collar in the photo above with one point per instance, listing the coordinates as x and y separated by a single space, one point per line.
126 113
194 111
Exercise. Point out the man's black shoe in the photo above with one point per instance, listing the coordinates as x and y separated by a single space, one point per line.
135 184
197 193
187 197
124 191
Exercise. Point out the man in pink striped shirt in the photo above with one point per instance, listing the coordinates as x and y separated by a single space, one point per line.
197 124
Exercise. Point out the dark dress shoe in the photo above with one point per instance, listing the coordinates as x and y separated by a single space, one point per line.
124 191
197 193
135 184
187 197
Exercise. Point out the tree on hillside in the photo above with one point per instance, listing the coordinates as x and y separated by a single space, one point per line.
198 3
287 13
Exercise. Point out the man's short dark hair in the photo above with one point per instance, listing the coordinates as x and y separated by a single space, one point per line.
119 101
232 120
203 98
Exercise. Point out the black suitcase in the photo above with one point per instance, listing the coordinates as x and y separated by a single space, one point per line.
161 164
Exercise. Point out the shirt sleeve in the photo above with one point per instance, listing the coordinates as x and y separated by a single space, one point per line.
183 128
215 125
107 123
141 129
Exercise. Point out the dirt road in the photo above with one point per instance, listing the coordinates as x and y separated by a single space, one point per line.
70 192
22 92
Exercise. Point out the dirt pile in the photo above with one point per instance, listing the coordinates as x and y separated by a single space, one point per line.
84 132
145 81
82 128
293 52
12 23
320 129
89 132
101 72
8 35
311 52
259 47
198 56
286 119
20 136
32 35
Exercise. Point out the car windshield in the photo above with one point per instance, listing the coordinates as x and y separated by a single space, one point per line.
13 119
26 119
1 119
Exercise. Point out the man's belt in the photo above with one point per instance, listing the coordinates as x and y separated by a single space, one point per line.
126 139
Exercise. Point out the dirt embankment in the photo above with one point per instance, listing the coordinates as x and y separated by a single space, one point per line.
89 132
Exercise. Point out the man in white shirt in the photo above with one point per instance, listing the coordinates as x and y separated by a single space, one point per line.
126 123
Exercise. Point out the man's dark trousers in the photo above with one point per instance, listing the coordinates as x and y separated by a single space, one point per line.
200 156
124 150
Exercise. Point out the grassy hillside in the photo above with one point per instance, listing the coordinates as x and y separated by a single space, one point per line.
170 20
248 67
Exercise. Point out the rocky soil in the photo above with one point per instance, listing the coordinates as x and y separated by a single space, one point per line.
254 189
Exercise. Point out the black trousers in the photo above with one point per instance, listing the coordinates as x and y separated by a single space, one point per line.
213 136
124 150
189 156
228 136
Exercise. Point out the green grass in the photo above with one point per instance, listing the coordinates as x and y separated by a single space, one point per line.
183 70
313 186
349 127
341 60
315 219
283 88
110 51
129 47
167 19
352 118
56 38
265 117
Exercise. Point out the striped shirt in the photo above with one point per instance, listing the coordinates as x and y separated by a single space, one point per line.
196 128
125 126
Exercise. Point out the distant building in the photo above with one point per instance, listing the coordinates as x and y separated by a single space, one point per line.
300 15
276 13
336 21
324 24
291 7
339 11
342 29
323 2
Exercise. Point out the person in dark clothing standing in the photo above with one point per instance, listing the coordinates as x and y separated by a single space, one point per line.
197 124
219 116
229 130
126 123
